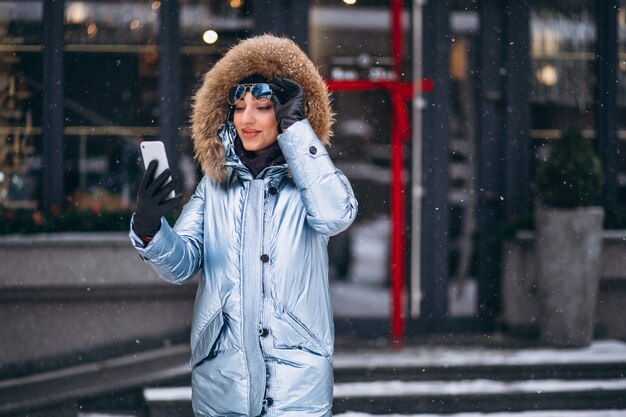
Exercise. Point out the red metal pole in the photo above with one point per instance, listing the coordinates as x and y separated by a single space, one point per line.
397 190
397 240
396 37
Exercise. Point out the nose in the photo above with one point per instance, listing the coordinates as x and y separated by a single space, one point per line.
248 113
247 116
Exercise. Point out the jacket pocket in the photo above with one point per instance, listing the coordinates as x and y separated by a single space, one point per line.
315 345
201 349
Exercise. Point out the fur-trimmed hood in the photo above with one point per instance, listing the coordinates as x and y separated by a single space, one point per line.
269 56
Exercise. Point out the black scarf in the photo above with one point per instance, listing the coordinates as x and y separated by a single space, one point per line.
258 161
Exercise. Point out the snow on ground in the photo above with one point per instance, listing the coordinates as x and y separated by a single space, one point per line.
606 351
467 387
406 388
555 413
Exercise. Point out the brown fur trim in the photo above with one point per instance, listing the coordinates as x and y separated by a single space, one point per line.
269 56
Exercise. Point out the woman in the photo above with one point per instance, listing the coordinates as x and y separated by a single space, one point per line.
257 226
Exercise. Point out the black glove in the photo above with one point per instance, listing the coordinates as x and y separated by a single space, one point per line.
153 202
288 98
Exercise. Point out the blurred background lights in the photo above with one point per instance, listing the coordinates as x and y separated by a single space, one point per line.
135 24
155 5
235 4
350 2
547 75
77 12
210 36
92 30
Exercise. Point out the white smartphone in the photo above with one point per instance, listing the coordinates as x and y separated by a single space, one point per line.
155 150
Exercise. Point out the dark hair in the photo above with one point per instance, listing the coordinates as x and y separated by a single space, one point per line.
254 79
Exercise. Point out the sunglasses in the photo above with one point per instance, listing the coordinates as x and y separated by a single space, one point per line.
261 92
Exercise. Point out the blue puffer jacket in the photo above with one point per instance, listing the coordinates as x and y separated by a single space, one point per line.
262 332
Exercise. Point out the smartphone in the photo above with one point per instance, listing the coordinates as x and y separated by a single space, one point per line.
155 150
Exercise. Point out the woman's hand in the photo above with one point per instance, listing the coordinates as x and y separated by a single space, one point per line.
152 201
288 98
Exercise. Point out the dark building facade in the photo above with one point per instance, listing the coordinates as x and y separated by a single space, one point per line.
83 82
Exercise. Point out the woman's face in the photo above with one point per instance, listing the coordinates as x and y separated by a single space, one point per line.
255 123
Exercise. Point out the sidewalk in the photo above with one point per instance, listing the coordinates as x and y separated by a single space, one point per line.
493 379
435 375
554 413
460 354
346 344
469 380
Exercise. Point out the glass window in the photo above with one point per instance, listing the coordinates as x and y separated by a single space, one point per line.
210 25
353 42
208 30
110 98
20 102
563 36
350 43
111 92
462 281
359 257
111 88
111 22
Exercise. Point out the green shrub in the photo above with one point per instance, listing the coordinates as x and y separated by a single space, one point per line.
572 175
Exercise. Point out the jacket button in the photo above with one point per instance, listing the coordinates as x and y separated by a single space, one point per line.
312 150
263 333
268 402
264 258
272 190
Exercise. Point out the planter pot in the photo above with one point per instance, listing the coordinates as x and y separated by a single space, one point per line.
568 247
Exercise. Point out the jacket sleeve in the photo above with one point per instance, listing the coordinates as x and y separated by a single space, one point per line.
176 254
326 193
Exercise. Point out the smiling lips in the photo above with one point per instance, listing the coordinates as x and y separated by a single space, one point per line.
250 133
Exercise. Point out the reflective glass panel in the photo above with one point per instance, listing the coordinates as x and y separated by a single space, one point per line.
563 36
462 284
20 102
110 98
213 24
111 23
208 30
353 43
